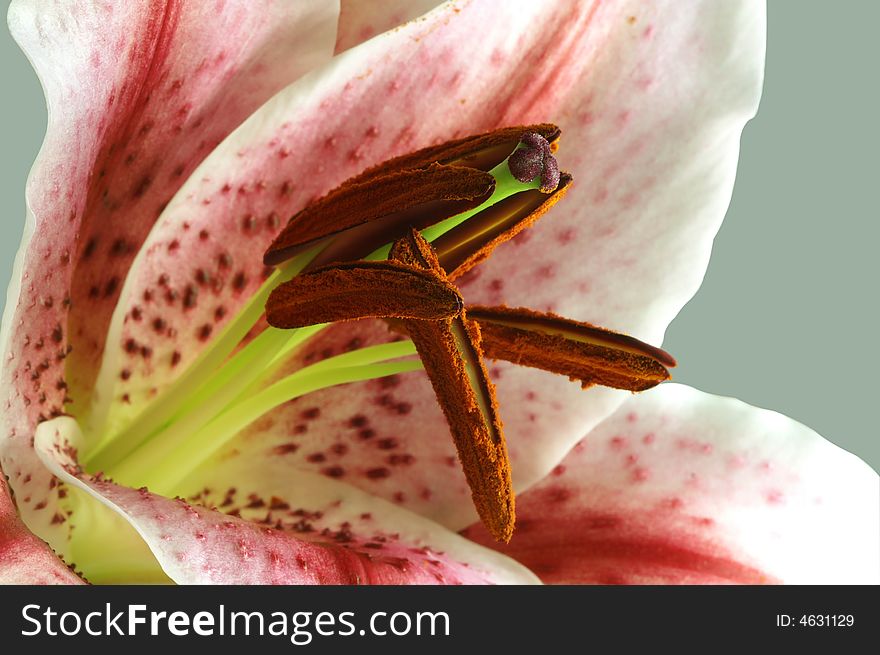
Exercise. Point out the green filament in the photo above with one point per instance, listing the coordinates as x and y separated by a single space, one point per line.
161 411
505 186
164 462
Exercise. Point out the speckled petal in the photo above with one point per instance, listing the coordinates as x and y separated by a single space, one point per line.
24 558
138 94
651 100
274 530
679 486
360 20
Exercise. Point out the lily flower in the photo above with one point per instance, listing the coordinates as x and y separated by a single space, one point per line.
156 429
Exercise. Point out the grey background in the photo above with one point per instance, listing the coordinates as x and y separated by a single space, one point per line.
789 309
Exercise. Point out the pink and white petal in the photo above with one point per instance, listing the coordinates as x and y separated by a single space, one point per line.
360 20
651 100
321 532
138 94
84 534
24 558
679 486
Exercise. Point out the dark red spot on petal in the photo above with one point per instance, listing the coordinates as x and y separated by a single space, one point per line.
248 223
190 296
311 413
140 188
378 473
89 249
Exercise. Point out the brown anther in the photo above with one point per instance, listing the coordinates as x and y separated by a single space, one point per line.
362 216
461 249
581 351
481 151
450 352
368 289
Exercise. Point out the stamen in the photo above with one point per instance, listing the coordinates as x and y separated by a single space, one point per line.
461 249
417 190
355 290
450 352
581 351
482 151
395 201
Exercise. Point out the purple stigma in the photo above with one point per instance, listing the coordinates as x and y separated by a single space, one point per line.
534 159
550 175
535 140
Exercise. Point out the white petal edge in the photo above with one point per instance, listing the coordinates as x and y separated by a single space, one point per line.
351 503
686 471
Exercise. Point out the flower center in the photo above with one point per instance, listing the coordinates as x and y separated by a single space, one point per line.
363 251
